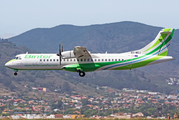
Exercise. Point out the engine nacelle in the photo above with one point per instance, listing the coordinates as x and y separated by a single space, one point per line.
68 54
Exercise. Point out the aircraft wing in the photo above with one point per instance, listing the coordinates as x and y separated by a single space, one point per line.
80 51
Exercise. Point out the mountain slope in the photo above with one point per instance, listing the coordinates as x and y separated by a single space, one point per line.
49 79
113 37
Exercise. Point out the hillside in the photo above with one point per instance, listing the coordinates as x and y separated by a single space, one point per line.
113 37
48 79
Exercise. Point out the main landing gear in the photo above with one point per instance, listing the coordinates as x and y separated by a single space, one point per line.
15 72
81 73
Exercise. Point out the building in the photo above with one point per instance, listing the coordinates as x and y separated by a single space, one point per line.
58 115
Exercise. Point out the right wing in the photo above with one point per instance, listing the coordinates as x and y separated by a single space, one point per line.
81 52
78 52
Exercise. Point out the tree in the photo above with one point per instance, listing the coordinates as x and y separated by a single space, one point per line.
84 102
40 75
43 109
110 111
70 111
101 114
83 109
7 82
12 87
123 110
88 113
178 114
66 87
30 78
59 104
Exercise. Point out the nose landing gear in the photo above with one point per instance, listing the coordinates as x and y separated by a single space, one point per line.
15 72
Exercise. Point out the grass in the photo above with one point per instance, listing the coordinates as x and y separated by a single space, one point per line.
95 119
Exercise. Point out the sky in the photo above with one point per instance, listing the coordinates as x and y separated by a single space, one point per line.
19 16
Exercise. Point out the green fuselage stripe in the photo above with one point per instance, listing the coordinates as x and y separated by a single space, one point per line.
87 67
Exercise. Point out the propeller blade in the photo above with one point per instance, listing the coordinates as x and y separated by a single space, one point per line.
59 49
62 47
60 54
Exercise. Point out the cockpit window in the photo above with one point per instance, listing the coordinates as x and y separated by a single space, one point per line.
17 58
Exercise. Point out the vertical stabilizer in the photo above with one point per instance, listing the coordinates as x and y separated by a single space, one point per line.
160 44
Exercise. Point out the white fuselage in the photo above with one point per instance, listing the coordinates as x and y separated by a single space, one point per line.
51 61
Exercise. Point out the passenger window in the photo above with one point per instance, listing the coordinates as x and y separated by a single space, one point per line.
57 59
112 59
105 59
53 59
119 59
40 59
122 59
98 59
63 59
88 59
84 59
70 59
101 59
44 60
115 59
67 59
50 59
47 60
74 60
109 59
77 59
91 59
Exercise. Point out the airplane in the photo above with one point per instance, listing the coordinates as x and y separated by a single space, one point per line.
80 60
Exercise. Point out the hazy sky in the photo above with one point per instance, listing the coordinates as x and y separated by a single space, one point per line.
18 16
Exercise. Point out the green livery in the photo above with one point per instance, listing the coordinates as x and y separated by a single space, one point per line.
81 61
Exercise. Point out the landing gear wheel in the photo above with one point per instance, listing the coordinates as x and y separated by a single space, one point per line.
81 73
15 73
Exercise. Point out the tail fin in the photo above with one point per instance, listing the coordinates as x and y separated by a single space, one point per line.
160 44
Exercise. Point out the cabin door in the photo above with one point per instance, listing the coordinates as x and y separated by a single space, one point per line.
129 60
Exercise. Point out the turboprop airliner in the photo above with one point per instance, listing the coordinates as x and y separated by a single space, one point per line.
80 60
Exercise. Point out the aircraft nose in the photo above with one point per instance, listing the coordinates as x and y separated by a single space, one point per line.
7 64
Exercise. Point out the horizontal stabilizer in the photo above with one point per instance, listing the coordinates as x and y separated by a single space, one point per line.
167 32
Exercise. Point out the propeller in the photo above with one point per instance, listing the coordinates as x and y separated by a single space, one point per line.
60 53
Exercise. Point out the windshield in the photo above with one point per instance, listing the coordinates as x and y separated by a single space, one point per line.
17 58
